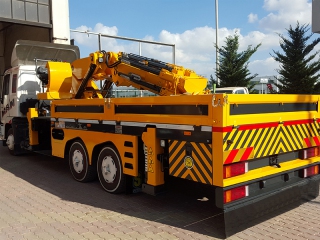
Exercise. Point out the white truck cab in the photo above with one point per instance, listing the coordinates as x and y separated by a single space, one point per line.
233 90
20 88
20 84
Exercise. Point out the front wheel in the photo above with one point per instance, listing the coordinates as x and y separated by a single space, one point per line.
79 163
109 169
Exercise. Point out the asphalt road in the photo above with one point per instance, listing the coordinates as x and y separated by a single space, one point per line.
40 200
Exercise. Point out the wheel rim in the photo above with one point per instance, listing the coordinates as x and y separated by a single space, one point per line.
10 142
77 161
109 169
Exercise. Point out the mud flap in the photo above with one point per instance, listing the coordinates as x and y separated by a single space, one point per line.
249 213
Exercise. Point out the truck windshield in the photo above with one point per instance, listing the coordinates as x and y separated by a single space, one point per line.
223 91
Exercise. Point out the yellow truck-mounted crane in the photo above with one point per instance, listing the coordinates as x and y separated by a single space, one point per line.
122 69
252 150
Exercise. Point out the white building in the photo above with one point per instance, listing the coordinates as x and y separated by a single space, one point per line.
263 83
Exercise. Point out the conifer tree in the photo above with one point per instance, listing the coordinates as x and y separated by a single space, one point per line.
233 65
211 83
299 71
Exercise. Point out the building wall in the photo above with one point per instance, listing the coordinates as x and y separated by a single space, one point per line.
37 20
60 21
316 16
262 87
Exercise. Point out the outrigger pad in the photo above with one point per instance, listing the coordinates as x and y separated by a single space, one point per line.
246 215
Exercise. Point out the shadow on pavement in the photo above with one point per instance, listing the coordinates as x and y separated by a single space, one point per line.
178 207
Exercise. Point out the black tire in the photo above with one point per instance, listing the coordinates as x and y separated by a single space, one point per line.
10 141
110 172
79 163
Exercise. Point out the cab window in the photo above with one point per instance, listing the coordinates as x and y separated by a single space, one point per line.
14 83
6 83
240 91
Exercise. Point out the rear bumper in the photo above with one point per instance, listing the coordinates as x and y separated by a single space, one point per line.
267 186
248 212
304 190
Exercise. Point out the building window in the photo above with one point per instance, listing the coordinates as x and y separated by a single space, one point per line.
18 10
26 10
31 12
5 8
44 13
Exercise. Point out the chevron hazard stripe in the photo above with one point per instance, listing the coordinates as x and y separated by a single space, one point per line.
191 160
269 139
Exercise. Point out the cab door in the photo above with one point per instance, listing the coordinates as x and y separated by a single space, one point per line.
5 100
8 97
4 104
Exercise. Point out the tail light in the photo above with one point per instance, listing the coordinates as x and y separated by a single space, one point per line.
235 169
309 152
310 171
235 194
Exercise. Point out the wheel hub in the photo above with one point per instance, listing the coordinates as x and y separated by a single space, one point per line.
10 142
77 161
109 169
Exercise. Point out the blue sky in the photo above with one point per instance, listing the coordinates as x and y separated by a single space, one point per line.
190 25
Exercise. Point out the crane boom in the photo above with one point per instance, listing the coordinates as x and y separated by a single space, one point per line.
124 69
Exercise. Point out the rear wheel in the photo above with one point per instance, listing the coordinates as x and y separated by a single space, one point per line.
10 141
110 172
79 163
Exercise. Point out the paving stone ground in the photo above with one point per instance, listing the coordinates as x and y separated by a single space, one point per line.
40 200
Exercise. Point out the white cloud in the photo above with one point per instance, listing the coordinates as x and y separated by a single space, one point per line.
284 13
91 41
196 44
252 18
98 28
195 47
267 40
264 67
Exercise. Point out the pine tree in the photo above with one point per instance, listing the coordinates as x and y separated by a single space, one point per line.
211 83
233 66
298 73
